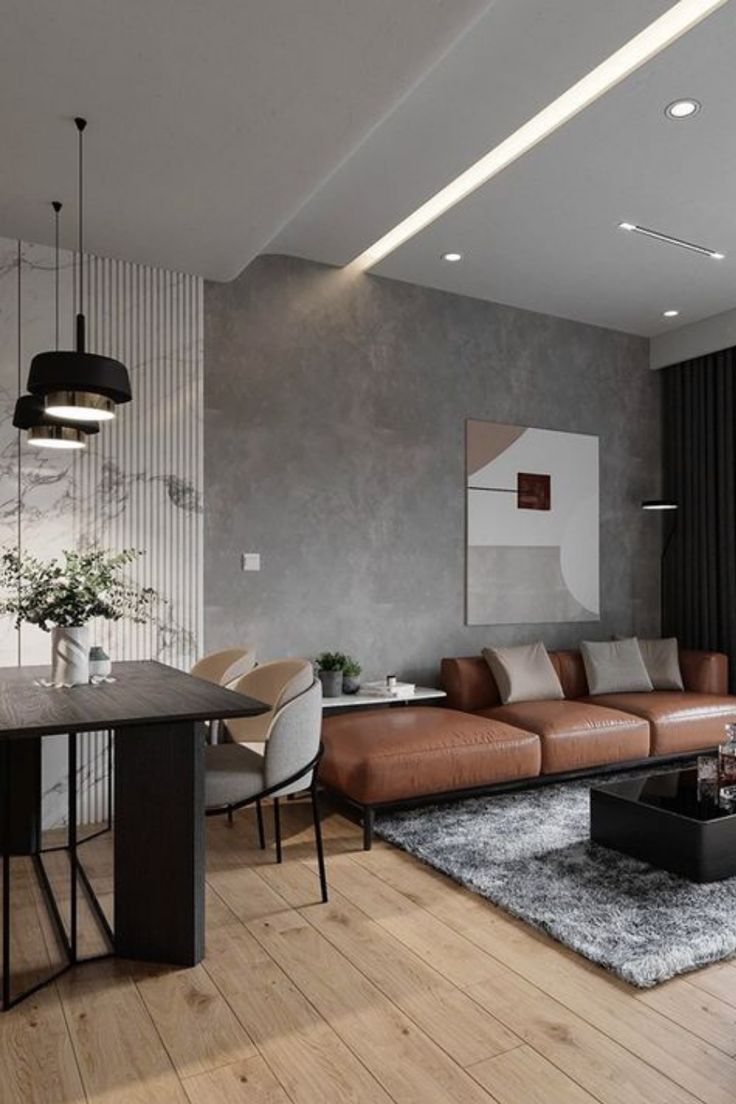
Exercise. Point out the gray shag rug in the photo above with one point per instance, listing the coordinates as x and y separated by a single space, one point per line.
529 852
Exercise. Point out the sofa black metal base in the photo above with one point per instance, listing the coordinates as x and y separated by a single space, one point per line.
366 814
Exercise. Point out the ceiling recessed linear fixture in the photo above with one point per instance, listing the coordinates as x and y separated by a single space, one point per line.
660 34
667 239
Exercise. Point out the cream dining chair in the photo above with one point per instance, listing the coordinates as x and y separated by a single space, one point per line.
274 683
225 667
237 776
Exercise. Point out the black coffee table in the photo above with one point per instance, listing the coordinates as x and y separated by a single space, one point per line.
661 819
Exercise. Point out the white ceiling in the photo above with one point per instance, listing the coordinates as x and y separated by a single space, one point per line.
226 128
544 234
210 121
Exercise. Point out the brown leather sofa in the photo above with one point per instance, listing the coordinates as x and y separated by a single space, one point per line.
411 754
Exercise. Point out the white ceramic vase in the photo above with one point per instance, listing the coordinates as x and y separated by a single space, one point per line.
70 655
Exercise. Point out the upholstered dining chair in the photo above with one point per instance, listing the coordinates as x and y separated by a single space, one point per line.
274 683
237 776
225 667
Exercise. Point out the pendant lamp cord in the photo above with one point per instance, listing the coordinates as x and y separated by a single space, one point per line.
80 125
57 208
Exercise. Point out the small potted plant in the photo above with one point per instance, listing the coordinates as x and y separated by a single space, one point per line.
351 676
330 667
61 596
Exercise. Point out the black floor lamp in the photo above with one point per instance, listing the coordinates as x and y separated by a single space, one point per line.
666 504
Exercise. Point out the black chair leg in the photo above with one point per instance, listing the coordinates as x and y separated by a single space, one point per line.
230 816
261 833
320 847
277 828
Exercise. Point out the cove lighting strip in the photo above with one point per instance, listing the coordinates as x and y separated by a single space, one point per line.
669 240
660 34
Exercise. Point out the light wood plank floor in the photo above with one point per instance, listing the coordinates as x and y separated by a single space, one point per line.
405 988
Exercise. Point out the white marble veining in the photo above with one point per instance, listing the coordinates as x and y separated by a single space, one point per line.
139 484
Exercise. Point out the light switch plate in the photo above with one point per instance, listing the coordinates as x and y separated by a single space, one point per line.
250 561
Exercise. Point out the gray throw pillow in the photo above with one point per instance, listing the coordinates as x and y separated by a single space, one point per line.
661 659
523 673
614 666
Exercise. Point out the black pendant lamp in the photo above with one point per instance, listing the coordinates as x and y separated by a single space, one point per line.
78 386
43 430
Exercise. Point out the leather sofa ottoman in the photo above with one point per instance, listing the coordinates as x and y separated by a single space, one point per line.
679 721
384 756
577 734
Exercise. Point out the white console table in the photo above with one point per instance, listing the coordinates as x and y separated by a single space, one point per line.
351 701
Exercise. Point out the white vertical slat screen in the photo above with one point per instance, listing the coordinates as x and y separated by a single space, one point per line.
140 483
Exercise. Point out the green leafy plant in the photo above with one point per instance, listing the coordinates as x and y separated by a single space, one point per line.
351 667
331 661
72 589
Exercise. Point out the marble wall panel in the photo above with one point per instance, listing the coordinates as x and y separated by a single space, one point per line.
139 483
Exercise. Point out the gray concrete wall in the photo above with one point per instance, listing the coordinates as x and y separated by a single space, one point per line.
334 447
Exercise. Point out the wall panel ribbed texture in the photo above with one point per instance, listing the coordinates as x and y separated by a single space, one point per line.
141 485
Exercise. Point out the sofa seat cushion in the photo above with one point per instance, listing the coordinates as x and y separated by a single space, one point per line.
576 734
375 756
680 721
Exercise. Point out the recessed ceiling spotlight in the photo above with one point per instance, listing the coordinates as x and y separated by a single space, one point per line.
669 240
670 314
682 109
453 258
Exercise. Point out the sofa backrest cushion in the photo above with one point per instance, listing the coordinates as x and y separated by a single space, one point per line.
571 669
470 686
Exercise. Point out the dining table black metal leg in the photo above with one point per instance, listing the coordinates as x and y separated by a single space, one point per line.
72 843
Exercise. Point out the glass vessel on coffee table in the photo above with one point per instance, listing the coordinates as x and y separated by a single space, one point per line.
665 820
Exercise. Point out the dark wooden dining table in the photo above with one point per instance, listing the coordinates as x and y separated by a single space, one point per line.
157 715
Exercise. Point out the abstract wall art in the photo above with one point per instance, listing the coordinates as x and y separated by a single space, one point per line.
532 554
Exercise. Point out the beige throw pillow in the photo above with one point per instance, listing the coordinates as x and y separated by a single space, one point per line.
524 673
662 661
614 666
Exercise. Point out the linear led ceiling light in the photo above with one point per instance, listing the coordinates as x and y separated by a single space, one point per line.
669 240
644 46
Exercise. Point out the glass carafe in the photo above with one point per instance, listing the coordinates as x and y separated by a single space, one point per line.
727 758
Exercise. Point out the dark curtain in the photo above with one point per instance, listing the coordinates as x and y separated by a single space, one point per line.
699 580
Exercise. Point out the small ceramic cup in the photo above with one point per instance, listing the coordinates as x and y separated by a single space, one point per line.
100 664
